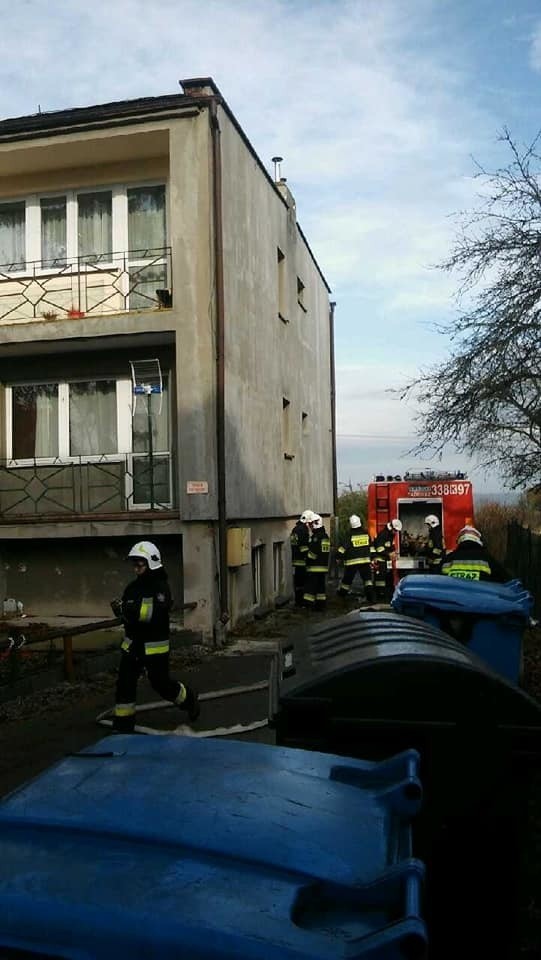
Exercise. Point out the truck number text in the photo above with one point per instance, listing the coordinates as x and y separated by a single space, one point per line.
444 489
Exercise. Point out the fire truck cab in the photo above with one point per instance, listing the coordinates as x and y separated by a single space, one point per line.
411 498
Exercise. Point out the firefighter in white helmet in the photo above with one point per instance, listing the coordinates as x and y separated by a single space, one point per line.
382 552
354 552
471 560
317 564
144 610
298 542
435 547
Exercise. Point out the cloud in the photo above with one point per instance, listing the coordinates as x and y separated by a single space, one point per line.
535 48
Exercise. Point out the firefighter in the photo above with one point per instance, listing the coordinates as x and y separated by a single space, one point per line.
355 553
382 551
435 547
299 548
471 560
317 565
144 609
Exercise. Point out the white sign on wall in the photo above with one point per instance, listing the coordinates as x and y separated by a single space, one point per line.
197 486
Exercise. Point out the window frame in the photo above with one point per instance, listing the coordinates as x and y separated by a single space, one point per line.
124 401
125 452
119 223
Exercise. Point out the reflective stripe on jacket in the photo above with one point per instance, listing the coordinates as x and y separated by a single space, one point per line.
355 549
319 548
146 603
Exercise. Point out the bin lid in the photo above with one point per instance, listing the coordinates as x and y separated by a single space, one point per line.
161 846
481 597
389 666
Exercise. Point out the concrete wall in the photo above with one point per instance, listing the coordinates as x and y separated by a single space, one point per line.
59 577
268 359
193 279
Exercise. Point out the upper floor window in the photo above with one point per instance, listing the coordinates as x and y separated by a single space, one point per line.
12 247
85 224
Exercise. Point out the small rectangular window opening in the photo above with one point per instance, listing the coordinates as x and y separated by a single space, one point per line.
300 294
282 300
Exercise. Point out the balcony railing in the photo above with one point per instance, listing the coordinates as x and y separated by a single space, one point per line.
112 484
92 285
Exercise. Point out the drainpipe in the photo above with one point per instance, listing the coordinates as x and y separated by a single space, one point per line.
332 305
220 349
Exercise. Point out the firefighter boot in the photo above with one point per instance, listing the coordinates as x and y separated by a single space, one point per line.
188 700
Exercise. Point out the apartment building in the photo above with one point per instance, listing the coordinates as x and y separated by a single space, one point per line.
166 359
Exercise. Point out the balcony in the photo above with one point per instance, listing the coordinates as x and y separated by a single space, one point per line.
97 487
93 285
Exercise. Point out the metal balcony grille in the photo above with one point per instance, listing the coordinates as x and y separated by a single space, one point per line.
97 486
92 285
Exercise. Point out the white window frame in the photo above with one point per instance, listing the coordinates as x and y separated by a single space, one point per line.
119 221
125 452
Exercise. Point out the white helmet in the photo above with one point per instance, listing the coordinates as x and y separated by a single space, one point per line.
306 516
396 525
432 520
469 533
355 522
316 521
145 550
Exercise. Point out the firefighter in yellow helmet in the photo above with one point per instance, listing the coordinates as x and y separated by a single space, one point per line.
144 610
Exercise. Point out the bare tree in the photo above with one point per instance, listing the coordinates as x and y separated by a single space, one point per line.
485 398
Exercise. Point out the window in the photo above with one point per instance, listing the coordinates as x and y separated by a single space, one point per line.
300 294
84 418
286 428
53 221
12 243
278 566
257 573
84 223
282 302
92 418
35 421
95 224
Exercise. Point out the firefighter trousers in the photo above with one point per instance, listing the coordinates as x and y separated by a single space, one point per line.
130 669
299 578
383 581
315 593
365 572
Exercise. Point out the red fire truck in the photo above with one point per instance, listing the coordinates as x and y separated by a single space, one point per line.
411 498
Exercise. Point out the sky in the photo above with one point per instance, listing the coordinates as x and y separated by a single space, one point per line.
379 109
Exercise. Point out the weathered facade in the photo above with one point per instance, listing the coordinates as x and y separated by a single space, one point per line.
149 230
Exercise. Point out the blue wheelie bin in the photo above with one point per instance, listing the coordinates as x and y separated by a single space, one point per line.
490 618
169 847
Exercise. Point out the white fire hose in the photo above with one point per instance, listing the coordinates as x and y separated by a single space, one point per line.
184 729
